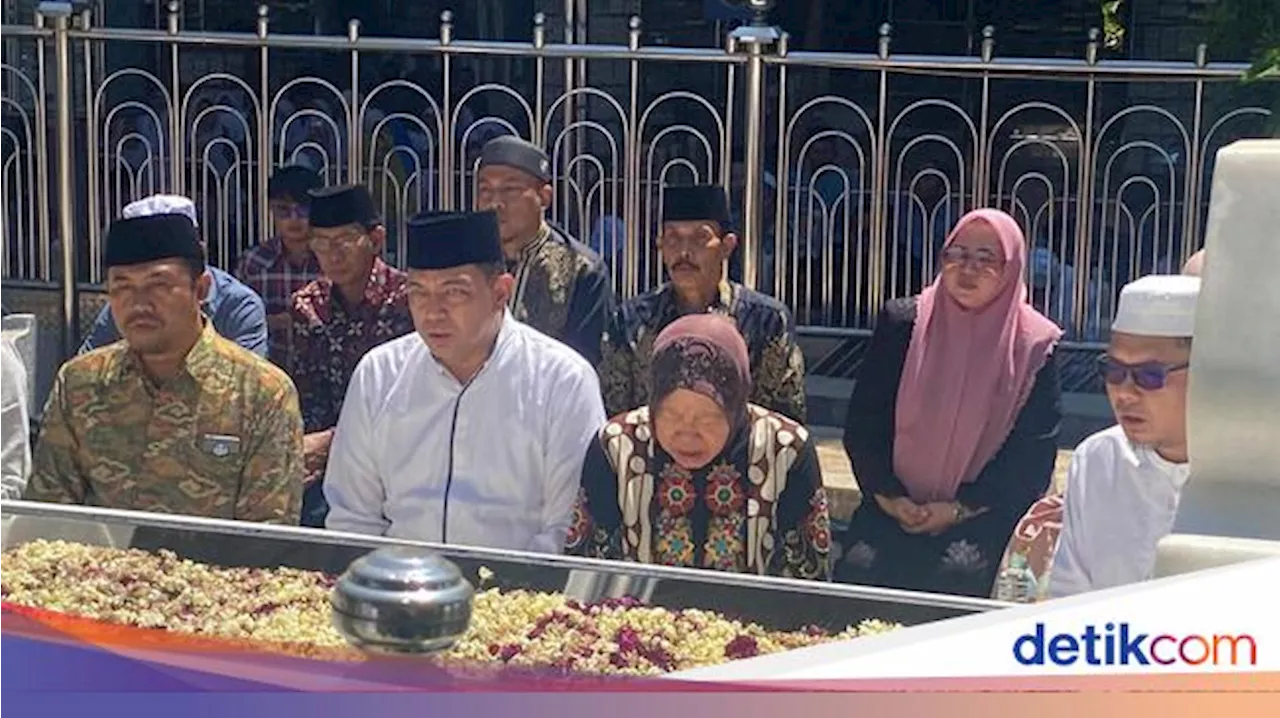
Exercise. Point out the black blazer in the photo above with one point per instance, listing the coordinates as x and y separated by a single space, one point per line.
1016 476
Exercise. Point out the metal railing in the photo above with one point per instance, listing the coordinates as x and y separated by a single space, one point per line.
844 196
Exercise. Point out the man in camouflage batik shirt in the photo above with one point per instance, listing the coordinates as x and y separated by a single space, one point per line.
175 418
695 244
563 288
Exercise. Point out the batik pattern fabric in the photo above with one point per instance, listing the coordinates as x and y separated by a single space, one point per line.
758 508
777 364
564 290
331 336
1023 576
266 269
222 439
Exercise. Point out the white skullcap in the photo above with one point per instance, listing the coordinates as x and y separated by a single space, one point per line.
161 204
1158 306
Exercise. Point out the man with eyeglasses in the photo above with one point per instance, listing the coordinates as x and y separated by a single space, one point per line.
359 303
696 241
235 310
563 289
284 263
1124 482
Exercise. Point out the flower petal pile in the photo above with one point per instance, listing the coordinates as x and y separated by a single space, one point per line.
290 607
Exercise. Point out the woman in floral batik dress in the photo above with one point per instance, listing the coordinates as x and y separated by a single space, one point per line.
701 478
953 422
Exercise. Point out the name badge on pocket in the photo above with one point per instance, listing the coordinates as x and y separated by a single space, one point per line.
220 445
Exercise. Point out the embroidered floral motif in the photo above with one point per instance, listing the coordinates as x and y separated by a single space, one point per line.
724 546
579 523
674 541
724 490
963 556
817 524
861 554
675 492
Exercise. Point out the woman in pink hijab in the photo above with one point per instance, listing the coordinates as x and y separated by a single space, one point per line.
953 423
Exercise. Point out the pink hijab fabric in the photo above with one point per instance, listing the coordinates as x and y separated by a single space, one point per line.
967 374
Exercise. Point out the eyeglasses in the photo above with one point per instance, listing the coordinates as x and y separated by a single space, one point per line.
1148 376
290 211
983 259
333 245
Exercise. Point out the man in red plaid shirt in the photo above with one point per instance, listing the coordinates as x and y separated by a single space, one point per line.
284 263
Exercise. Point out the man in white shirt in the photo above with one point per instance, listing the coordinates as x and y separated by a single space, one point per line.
1124 482
15 426
472 430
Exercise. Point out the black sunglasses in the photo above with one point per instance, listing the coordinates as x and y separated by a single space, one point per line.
1148 376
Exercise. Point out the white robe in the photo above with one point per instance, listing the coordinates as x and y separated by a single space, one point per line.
1121 500
15 451
495 464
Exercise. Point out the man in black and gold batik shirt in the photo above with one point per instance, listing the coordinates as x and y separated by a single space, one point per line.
563 288
695 244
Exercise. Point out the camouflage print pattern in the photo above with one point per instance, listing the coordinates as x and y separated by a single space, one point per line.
564 290
223 439
777 364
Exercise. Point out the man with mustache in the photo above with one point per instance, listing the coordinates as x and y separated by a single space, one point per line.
359 303
235 311
695 244
175 418
562 287
473 430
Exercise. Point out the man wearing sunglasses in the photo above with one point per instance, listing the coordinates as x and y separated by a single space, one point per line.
1124 482
359 303
284 263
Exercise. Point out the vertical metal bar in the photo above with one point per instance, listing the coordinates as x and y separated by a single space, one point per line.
633 185
266 128
753 96
61 14
447 132
176 107
355 129
782 177
981 171
95 154
570 111
1084 222
1195 166
878 193
42 158
539 76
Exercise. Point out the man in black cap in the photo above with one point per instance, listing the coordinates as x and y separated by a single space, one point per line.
474 430
358 304
562 287
695 244
175 418
284 263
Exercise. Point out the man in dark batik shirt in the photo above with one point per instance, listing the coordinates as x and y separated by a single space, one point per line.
284 263
359 303
695 244
563 288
